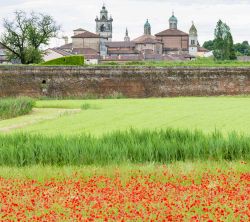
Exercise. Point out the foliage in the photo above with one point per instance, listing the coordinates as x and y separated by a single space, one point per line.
26 34
12 107
76 60
242 48
223 42
133 146
209 45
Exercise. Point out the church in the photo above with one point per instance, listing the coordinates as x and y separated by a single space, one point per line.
170 44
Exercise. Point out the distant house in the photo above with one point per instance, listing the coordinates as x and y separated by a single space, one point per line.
83 43
54 53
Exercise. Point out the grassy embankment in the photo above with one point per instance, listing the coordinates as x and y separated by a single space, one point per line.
13 107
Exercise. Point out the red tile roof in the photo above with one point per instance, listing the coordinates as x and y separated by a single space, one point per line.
171 32
120 44
146 39
86 34
80 29
201 49
66 46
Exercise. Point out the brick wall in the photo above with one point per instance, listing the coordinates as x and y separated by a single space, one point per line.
130 81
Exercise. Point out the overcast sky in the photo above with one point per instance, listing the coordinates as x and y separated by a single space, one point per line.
72 14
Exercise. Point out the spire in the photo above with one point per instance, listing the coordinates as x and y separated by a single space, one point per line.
147 28
193 30
126 38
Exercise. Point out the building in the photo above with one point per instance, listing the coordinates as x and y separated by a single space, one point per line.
104 29
170 44
174 41
194 47
145 44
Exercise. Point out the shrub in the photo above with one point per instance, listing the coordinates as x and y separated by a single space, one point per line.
13 107
76 60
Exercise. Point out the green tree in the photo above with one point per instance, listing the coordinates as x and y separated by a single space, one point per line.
242 48
223 42
230 47
209 45
27 34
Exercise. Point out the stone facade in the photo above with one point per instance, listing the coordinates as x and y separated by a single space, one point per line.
130 81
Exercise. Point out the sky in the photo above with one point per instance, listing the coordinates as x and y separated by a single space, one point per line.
73 14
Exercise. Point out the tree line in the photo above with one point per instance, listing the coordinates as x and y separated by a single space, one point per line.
223 46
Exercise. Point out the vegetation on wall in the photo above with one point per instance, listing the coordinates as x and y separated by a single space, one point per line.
76 60
12 107
198 62
25 34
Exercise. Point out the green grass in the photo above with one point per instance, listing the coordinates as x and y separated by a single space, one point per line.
137 147
13 107
200 62
75 60
225 114
197 169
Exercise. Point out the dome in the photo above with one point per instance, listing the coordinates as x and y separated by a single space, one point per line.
147 28
173 22
104 10
147 24
193 30
173 18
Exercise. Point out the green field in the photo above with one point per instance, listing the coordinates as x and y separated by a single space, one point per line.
99 117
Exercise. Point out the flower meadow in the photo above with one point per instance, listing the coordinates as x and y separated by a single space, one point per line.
158 195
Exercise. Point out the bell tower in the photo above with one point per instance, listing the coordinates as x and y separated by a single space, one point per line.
104 24
104 29
193 40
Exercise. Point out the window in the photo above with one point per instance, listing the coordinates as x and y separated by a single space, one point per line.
192 42
102 28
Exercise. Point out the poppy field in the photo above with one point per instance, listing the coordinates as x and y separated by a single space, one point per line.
176 192
171 159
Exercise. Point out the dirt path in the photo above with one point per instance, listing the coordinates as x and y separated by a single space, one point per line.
37 116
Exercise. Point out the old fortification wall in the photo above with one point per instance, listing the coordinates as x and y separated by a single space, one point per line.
130 81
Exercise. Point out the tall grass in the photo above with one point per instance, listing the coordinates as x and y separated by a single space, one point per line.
12 107
122 147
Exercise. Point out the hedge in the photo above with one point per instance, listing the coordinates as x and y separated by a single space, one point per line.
76 60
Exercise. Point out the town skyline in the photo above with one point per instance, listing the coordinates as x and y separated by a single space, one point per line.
125 13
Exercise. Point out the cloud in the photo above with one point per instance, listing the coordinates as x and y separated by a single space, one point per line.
133 14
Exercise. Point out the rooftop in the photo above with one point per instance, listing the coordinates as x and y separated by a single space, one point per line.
172 32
